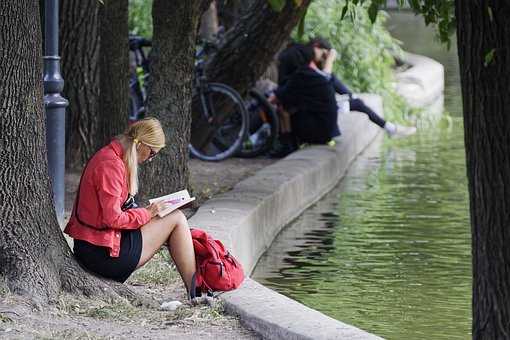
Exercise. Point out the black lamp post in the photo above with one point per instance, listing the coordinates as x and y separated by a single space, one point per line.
55 106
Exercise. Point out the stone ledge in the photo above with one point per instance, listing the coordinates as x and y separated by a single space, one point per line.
278 317
422 83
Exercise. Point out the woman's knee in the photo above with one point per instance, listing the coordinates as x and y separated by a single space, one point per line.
177 218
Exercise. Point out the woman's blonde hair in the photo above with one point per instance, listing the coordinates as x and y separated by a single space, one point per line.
146 131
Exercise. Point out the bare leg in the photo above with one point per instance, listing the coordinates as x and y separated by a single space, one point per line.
172 229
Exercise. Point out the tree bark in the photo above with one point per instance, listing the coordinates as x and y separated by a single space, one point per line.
35 259
482 27
95 63
229 12
114 70
248 49
80 44
169 91
252 43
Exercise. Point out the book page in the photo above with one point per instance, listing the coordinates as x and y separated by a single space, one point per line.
173 201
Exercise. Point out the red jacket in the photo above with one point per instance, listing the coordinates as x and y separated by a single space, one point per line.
103 190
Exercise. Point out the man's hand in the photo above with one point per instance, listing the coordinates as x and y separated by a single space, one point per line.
272 99
332 54
330 59
156 207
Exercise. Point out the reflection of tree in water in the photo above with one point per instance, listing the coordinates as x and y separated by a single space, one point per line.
317 243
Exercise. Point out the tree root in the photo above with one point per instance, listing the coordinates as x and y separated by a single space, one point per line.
76 280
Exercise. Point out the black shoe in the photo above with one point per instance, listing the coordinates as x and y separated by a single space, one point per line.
194 292
281 150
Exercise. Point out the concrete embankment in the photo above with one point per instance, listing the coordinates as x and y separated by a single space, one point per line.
422 84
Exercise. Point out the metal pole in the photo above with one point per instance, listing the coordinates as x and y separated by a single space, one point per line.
55 106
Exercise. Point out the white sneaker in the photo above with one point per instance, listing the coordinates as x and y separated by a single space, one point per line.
170 305
402 131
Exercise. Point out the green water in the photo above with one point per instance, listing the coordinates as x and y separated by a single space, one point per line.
388 250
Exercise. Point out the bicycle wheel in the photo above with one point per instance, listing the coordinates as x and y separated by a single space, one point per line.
227 123
264 126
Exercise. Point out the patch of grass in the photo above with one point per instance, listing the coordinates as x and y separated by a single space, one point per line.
70 334
4 318
120 309
159 270
196 315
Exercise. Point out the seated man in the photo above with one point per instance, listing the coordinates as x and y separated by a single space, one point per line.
310 95
293 58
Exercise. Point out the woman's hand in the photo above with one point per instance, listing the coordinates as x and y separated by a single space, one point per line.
155 208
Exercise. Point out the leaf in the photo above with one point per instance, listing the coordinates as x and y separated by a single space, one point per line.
489 57
298 3
277 5
489 11
372 11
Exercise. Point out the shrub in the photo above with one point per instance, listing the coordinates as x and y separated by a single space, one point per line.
140 17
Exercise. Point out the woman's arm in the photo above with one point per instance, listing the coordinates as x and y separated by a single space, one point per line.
109 183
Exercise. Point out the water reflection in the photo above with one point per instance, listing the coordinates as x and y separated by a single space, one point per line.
388 250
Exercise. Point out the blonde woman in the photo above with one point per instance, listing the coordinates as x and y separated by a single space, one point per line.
112 236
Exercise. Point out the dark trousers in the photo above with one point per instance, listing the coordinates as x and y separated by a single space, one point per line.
357 104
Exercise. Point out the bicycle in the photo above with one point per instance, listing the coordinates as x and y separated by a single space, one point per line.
263 126
138 76
222 114
221 110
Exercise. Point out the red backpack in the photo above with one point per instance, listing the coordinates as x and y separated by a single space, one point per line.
217 269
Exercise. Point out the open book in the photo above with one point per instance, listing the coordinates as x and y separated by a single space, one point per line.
173 201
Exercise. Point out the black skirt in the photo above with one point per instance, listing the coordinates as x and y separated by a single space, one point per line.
98 260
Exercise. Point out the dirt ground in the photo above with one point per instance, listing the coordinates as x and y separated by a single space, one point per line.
74 317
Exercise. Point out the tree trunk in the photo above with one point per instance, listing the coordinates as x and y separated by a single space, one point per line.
169 93
114 70
229 12
79 37
252 43
94 38
35 259
248 50
482 27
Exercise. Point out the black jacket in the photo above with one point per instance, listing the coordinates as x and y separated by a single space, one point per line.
313 97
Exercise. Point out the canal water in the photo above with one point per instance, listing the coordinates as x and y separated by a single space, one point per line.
388 250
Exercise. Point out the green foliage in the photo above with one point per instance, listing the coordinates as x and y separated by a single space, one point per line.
277 5
140 17
437 12
365 50
489 57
